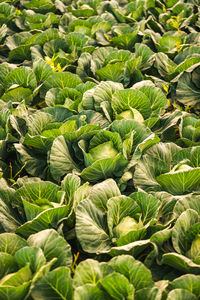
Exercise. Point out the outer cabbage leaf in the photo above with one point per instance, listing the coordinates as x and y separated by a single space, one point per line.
61 161
187 91
181 263
54 285
89 291
180 294
48 218
104 168
180 182
124 99
91 228
187 282
188 218
118 286
155 161
11 243
23 76
139 275
46 240
90 271
60 80
101 192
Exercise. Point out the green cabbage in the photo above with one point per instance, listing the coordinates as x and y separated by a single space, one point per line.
194 252
125 226
105 150
132 114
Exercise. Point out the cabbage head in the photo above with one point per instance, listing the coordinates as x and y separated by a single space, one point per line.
132 114
126 225
194 252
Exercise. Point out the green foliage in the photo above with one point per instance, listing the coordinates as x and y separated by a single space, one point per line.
99 150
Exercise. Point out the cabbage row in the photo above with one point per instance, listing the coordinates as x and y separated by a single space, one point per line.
99 150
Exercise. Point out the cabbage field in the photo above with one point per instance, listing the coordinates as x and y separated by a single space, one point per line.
99 150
